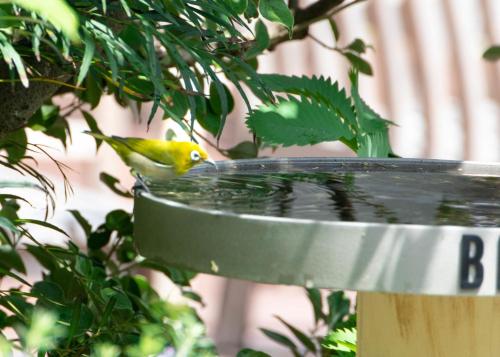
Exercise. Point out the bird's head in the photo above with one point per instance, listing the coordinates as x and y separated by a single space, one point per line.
188 155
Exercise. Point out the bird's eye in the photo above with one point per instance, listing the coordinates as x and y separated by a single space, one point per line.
195 155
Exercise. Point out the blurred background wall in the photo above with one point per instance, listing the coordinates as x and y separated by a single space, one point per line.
429 78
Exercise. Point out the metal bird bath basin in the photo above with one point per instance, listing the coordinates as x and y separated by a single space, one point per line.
418 239
426 227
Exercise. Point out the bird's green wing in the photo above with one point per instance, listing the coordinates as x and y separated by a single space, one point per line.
153 149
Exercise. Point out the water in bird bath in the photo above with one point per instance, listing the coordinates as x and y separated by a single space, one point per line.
382 196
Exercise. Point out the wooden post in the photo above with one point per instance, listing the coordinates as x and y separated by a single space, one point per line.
395 325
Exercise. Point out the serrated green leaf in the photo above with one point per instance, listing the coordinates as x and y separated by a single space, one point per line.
373 134
277 11
297 122
57 12
319 88
492 53
341 340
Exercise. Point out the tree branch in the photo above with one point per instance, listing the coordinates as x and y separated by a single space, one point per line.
18 104
320 10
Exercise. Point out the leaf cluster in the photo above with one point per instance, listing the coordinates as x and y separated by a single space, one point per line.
335 317
317 110
90 302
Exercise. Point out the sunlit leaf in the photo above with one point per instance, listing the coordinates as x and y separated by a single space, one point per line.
277 11
57 12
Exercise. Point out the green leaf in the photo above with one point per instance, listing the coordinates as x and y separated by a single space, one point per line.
338 308
13 59
88 55
93 89
251 11
10 259
99 238
277 11
281 339
297 122
122 301
119 220
357 45
178 276
244 150
334 28
218 101
126 252
358 63
238 6
262 41
94 128
492 53
15 144
42 224
8 225
44 258
87 228
314 296
341 340
373 134
301 336
48 290
209 121
44 117
57 12
111 182
247 352
83 265
318 88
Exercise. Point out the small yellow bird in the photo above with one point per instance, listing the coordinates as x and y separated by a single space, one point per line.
156 159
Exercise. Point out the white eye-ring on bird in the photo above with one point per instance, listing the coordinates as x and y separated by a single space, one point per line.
195 156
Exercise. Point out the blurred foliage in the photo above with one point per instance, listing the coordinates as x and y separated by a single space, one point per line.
492 53
90 302
333 333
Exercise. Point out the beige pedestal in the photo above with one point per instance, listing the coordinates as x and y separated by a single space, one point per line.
392 325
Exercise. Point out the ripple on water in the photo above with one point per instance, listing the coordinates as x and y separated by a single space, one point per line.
427 198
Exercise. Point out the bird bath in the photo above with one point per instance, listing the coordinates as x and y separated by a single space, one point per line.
419 239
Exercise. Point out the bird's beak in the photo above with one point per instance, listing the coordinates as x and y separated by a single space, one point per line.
211 162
